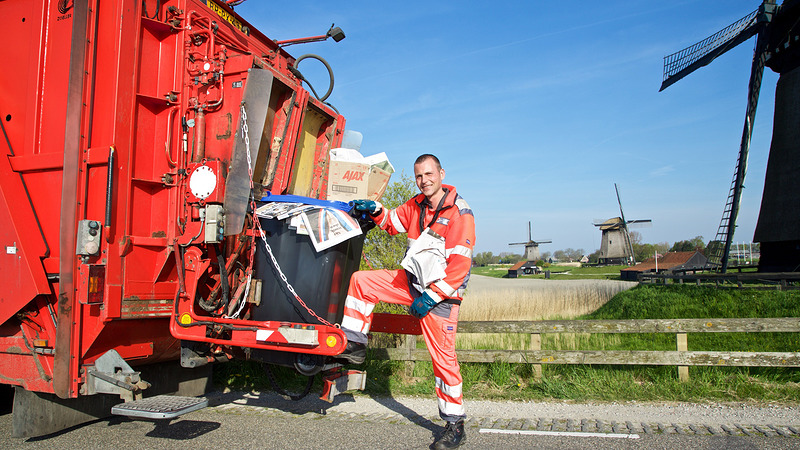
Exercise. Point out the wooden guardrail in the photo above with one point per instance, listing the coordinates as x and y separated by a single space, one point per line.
681 357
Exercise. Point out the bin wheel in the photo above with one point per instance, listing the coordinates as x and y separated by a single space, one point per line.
308 365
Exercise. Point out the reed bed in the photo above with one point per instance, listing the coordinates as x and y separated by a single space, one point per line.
496 299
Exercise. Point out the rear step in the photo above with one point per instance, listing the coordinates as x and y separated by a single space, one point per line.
160 407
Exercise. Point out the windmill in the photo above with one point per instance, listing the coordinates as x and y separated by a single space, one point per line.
777 47
532 247
616 246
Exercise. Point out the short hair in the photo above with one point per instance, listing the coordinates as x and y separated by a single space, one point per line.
427 156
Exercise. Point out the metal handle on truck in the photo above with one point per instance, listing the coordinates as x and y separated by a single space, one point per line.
109 191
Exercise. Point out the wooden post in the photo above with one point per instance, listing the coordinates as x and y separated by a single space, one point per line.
683 346
536 344
410 345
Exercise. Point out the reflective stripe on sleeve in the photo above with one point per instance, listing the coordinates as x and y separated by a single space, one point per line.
446 289
384 220
436 297
459 250
396 222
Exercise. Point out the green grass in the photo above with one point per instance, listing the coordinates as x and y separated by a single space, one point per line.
607 383
491 271
686 302
583 273
557 272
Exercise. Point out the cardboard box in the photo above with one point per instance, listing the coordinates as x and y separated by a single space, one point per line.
351 181
378 181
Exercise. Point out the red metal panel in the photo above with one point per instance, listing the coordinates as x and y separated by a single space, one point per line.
136 84
19 364
395 323
22 242
26 372
21 277
125 336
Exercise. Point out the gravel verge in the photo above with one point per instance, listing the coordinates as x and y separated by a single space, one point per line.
417 409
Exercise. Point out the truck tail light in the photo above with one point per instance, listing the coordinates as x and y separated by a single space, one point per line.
97 283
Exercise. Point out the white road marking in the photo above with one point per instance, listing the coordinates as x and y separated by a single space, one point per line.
561 433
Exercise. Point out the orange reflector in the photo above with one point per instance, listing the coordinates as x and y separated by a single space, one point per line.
331 341
96 283
40 342
186 319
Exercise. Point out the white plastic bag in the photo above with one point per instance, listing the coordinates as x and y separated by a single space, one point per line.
425 259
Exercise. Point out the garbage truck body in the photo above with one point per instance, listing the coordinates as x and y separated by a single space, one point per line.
135 136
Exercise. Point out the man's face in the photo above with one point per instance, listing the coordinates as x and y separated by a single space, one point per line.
429 178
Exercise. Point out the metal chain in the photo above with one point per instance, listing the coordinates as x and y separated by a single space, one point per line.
246 136
263 235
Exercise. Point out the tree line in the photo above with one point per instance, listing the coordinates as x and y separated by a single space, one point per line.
382 251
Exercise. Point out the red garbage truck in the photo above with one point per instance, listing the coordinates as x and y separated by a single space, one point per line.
137 138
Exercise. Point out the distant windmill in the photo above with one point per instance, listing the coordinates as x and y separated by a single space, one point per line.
532 247
778 48
616 246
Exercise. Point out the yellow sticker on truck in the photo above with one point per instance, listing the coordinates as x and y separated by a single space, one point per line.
226 16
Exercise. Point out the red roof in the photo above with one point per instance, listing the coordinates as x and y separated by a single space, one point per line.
518 265
668 261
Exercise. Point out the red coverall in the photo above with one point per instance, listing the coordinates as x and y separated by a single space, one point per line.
453 221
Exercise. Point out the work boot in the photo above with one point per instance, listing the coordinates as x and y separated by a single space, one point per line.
452 437
354 353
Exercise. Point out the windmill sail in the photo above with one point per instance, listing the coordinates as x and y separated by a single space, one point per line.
626 234
532 246
616 246
693 57
686 61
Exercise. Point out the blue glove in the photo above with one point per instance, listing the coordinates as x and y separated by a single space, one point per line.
369 206
422 305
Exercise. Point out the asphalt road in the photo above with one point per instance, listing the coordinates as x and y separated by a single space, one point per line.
242 420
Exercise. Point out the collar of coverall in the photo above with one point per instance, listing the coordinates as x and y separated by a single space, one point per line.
448 200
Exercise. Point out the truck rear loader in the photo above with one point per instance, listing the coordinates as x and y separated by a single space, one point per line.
136 139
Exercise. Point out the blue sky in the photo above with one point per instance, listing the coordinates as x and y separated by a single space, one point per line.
536 109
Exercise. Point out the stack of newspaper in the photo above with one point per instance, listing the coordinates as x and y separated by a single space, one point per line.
325 226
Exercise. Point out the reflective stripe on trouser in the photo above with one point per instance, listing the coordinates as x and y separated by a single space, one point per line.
439 327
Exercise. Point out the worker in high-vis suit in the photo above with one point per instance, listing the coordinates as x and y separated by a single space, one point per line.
441 236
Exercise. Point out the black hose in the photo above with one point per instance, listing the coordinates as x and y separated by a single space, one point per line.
144 9
281 391
330 75
223 276
109 187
